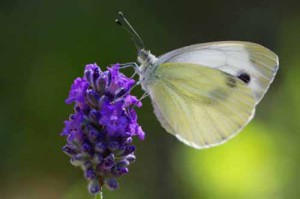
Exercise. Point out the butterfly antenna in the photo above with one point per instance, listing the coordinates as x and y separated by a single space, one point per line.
122 21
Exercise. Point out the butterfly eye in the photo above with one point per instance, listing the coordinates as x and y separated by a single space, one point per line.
244 77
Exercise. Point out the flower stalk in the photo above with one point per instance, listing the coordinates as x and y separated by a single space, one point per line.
99 195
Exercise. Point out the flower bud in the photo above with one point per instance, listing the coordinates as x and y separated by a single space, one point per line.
120 92
70 151
100 147
128 140
88 74
97 159
108 162
87 148
75 161
94 116
92 98
111 183
123 163
86 165
94 187
129 150
93 135
131 158
113 145
100 85
75 137
90 174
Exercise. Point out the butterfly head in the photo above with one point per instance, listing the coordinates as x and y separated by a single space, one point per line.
145 58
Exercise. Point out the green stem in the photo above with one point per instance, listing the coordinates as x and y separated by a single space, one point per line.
99 195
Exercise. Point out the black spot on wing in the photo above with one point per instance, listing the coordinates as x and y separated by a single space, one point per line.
245 77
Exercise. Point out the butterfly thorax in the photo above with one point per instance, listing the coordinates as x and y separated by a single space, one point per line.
145 58
148 63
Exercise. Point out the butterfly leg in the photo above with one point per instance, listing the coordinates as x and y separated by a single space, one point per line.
144 96
133 75
130 65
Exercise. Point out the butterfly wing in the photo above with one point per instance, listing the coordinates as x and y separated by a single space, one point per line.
250 62
201 106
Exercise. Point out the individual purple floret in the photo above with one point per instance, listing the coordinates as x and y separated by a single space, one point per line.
99 132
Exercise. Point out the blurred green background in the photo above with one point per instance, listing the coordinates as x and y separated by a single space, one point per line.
45 45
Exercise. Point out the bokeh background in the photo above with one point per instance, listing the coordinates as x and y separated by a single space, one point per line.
45 45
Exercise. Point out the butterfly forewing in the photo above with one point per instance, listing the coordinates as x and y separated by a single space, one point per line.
201 106
252 63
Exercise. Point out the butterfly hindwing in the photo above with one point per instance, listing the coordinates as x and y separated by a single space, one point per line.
201 106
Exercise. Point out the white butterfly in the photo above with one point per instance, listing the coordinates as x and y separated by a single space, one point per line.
205 94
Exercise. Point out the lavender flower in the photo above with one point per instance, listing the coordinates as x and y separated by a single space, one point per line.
99 133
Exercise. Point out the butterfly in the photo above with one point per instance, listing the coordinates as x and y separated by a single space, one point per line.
204 94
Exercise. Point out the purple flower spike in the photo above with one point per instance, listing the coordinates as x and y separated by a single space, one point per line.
99 133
